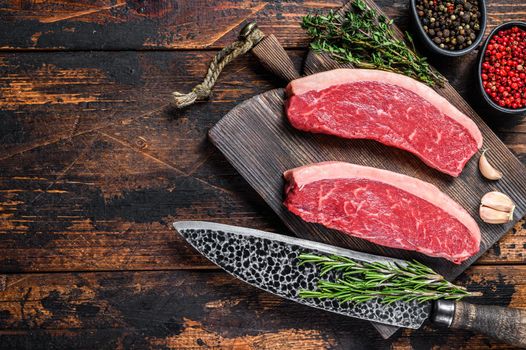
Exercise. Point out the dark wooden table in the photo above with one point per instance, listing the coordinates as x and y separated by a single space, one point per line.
94 167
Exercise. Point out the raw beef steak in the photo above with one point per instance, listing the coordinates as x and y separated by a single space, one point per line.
387 107
383 207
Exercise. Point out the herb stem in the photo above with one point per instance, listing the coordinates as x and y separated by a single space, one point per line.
389 282
365 39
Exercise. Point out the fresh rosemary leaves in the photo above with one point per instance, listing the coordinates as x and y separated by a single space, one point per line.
365 39
360 282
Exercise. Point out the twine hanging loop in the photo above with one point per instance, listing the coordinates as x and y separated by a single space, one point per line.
249 37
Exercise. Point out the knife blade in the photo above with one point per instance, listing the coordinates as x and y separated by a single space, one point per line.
271 262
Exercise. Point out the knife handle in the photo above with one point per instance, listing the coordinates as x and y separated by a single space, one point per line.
503 323
273 56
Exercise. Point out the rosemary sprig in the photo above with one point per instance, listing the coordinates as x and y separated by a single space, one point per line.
389 282
365 39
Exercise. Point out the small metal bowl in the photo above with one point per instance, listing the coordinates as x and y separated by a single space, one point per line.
434 48
487 99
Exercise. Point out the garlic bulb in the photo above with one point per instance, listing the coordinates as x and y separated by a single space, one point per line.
496 208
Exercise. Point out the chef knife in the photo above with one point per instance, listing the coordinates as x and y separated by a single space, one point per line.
271 262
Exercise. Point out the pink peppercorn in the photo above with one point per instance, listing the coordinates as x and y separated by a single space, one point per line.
503 73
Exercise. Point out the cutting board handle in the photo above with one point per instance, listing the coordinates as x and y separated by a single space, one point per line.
503 323
273 56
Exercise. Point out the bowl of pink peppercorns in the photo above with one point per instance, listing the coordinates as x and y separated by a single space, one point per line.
502 68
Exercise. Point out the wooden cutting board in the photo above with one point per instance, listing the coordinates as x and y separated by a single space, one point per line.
259 142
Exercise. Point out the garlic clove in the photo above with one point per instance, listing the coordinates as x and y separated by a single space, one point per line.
487 170
492 216
496 208
498 201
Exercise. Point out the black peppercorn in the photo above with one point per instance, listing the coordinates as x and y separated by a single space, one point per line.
452 24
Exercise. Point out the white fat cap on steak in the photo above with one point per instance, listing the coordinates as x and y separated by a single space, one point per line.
323 80
307 174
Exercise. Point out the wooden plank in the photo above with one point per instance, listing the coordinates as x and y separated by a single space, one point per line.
150 25
188 310
76 224
112 209
84 180
49 97
106 206
256 138
509 249
73 93
68 165
173 24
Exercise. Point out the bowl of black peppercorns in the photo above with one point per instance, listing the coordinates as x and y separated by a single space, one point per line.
449 28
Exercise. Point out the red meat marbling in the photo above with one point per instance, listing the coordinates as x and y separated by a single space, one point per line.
383 207
390 108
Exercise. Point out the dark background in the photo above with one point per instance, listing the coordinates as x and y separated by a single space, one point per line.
94 166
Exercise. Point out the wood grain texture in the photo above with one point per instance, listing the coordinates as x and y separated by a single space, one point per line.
93 167
176 24
85 180
94 185
275 59
74 93
189 310
166 24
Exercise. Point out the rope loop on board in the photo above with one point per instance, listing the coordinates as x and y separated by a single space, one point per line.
249 36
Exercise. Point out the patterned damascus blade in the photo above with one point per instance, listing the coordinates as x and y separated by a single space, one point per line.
270 261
